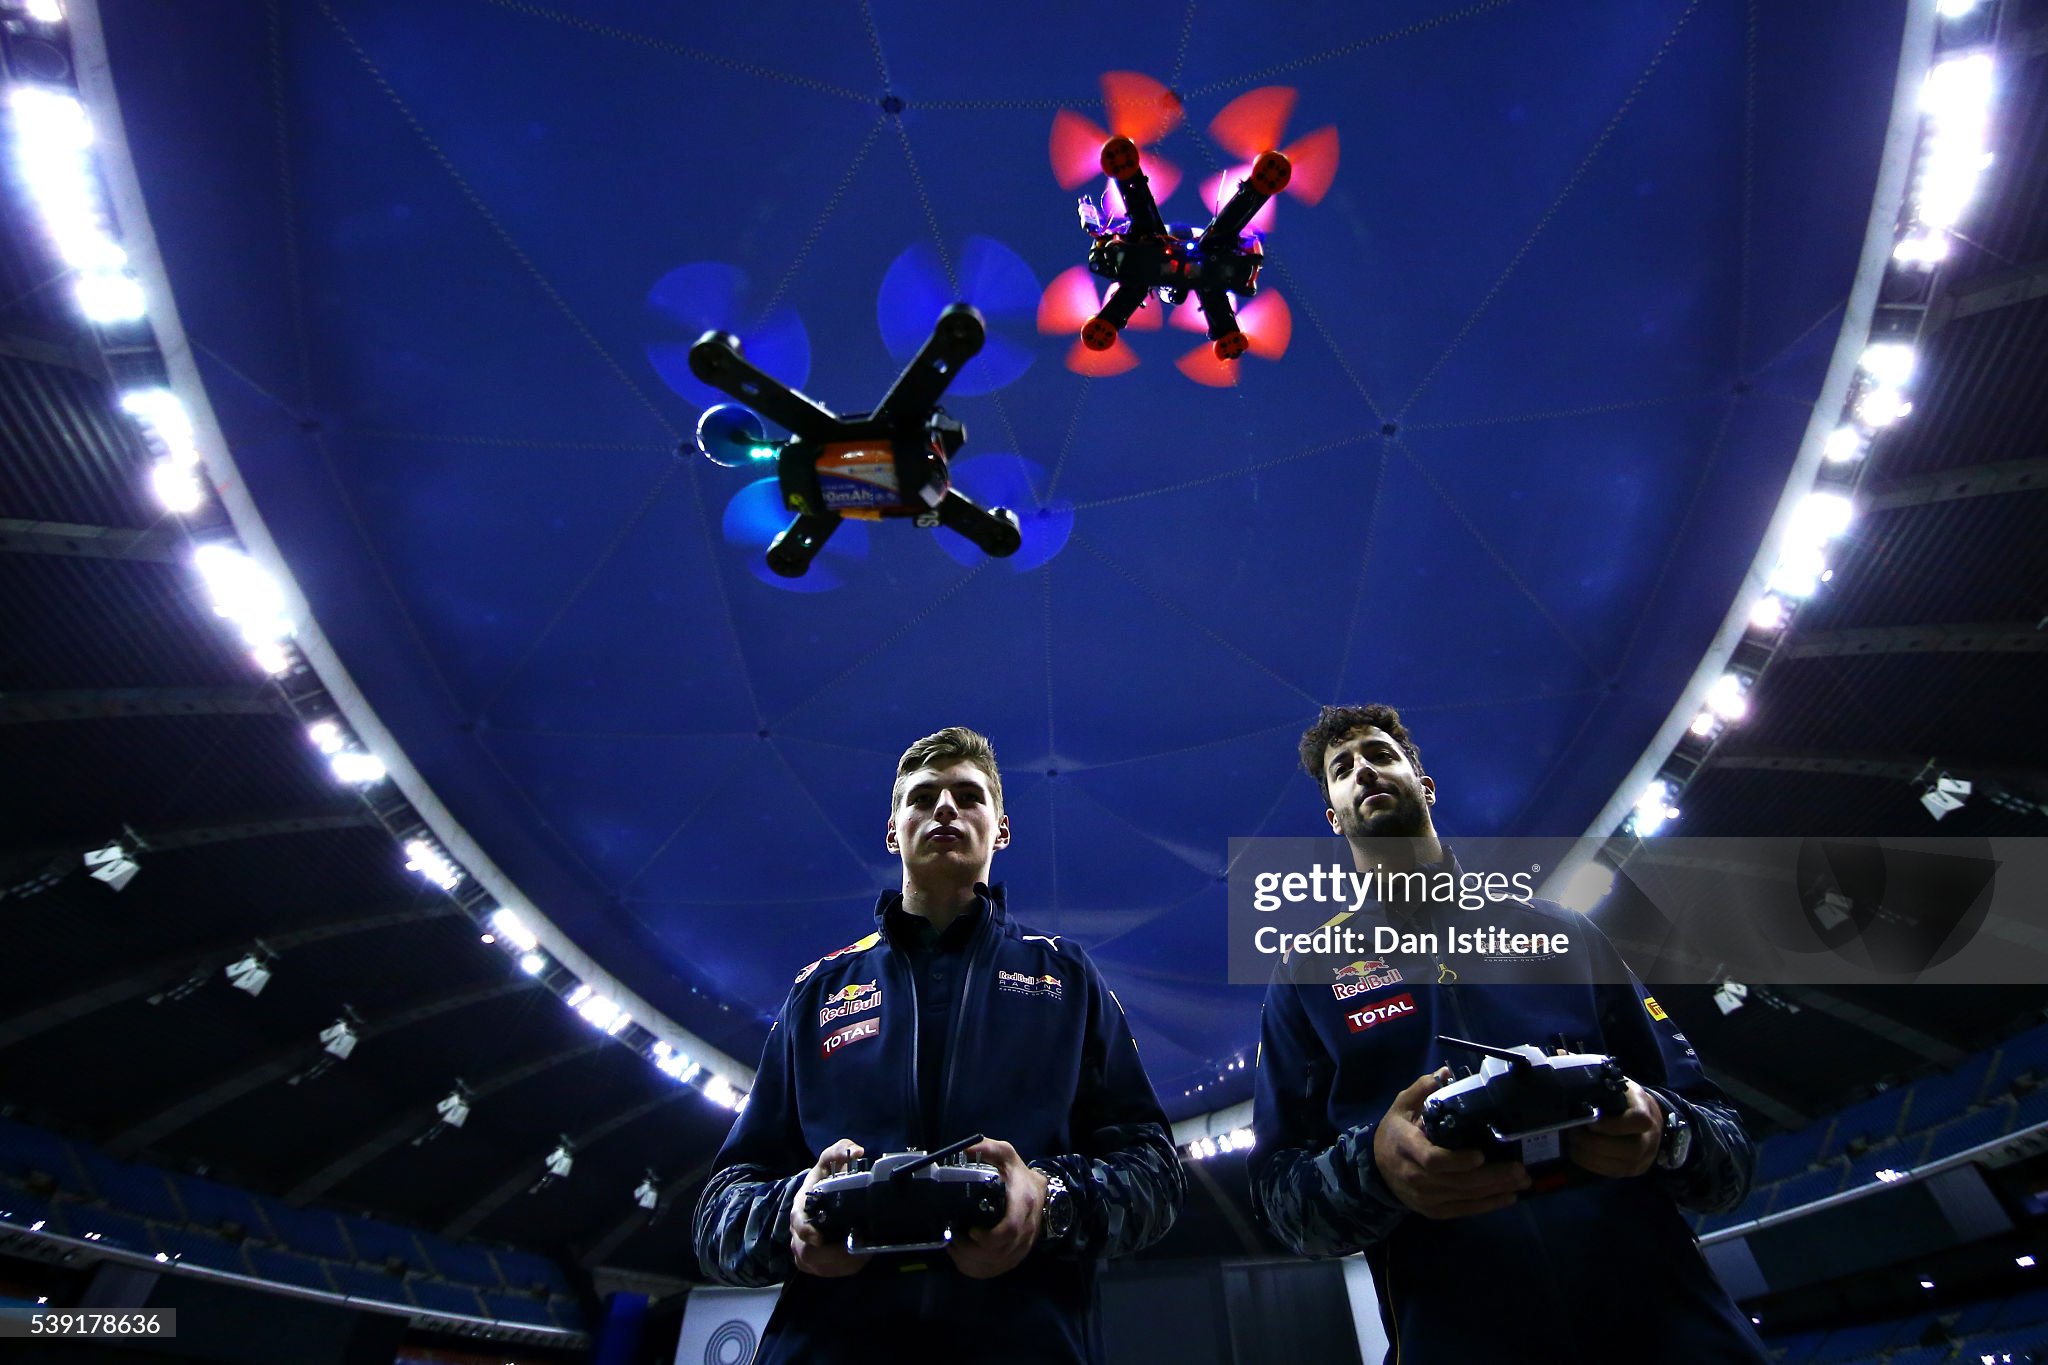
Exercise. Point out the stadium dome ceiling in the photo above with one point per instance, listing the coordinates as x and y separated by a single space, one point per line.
1557 327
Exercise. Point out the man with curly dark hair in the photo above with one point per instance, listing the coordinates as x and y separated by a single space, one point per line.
1471 1264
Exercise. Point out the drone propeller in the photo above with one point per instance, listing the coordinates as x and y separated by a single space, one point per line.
1268 327
1009 481
710 296
755 516
1256 121
1139 108
1069 304
1163 175
992 277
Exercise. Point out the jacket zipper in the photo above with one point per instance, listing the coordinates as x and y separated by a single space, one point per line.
981 933
898 965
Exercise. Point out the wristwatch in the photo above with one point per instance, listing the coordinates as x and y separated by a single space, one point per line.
1057 1218
1676 1144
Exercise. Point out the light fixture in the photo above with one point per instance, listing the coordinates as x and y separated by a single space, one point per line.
1653 809
1729 996
672 1063
1888 1175
720 1092
327 736
533 964
1728 698
507 925
50 12
52 141
115 865
1843 445
248 973
357 769
1927 1284
1768 614
453 1108
647 1193
430 862
2023 1262
1945 795
245 595
338 1039
561 1160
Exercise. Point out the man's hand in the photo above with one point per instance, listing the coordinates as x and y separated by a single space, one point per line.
817 1253
1435 1181
1620 1145
988 1252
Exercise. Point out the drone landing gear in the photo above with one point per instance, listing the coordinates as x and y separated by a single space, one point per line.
888 463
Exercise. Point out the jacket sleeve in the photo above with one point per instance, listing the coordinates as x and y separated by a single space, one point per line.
1126 1179
1722 1162
1317 1190
741 1231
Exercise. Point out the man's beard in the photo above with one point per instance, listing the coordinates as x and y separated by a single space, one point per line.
1402 820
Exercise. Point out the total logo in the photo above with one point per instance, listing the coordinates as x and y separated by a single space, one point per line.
851 1033
858 998
1357 978
1398 1007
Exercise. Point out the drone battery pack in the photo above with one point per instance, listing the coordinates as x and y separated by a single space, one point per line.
856 476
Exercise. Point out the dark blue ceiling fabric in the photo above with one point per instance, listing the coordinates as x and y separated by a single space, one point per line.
1558 326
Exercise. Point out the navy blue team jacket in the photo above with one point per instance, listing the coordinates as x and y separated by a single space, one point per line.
1606 1270
1041 1057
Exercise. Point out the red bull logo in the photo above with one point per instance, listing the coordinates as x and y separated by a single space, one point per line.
858 998
1367 974
1048 985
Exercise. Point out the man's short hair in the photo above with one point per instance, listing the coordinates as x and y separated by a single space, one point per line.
1338 723
954 744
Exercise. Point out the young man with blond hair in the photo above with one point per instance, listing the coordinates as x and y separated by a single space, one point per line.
950 1019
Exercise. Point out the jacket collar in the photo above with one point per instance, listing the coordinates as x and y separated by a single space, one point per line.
993 904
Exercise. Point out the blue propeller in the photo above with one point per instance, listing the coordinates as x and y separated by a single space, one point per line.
712 296
755 516
993 278
1009 481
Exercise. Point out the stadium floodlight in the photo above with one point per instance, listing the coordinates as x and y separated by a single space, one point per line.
1653 809
115 865
246 595
647 1193
721 1093
507 924
533 964
249 973
1728 698
560 1161
1729 996
430 862
50 12
1843 445
338 1039
1768 614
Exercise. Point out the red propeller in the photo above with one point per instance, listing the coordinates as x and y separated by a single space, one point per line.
1140 109
1255 122
1068 306
1266 323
